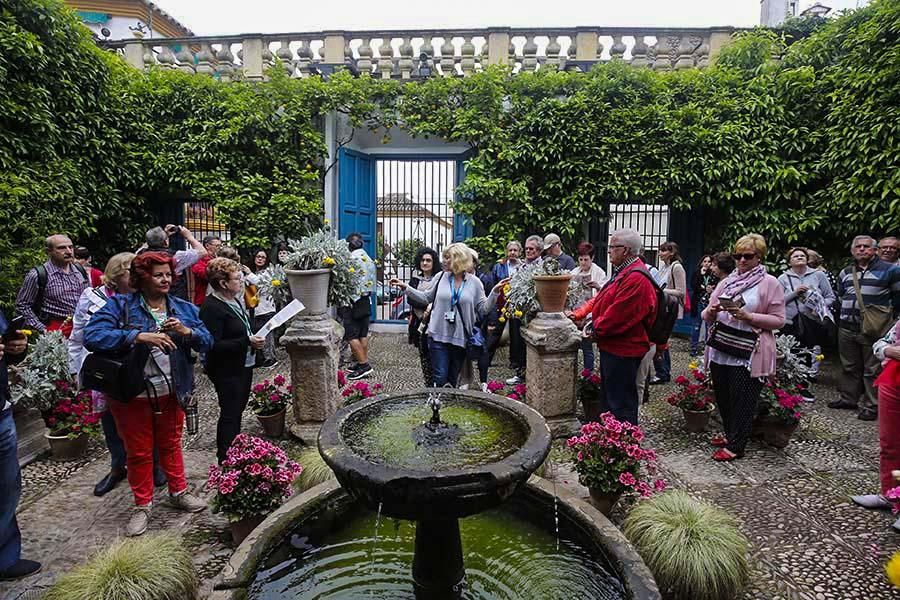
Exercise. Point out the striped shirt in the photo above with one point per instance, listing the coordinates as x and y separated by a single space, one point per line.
879 285
60 296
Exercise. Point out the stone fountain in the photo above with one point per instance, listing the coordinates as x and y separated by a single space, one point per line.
467 460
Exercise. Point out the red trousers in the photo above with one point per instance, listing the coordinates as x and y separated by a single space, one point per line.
889 433
141 429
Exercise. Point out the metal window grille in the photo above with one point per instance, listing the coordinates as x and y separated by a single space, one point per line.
414 208
202 220
650 220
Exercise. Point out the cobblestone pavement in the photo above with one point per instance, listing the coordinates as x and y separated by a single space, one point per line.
809 541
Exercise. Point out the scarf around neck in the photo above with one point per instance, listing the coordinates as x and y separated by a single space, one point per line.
736 283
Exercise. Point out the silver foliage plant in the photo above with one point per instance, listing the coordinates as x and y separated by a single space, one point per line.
522 295
33 382
321 250
794 369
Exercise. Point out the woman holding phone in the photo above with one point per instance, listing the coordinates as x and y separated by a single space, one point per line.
744 311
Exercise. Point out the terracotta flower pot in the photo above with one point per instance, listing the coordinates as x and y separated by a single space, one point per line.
604 501
64 448
774 432
593 407
273 425
551 291
241 529
310 288
696 421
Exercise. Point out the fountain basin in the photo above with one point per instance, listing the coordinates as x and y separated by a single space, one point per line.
372 447
327 506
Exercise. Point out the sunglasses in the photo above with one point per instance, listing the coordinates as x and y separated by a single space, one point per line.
745 256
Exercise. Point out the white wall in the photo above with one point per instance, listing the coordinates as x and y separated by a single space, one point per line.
118 28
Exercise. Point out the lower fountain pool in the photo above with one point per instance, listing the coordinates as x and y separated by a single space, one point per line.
510 554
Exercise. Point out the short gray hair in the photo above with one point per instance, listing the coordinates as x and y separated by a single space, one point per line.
156 237
514 243
863 237
536 238
629 238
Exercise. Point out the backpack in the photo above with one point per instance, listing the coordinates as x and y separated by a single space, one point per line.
666 312
41 271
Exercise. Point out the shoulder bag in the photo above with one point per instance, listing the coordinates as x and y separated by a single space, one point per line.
874 320
735 342
810 332
118 374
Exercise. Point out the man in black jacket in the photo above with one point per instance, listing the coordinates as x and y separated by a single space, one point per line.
13 345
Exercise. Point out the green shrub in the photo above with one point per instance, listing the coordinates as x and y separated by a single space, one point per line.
151 567
315 471
694 550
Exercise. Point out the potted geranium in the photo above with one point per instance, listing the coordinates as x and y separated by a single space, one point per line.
544 286
694 397
321 272
268 401
609 460
71 420
779 414
591 395
253 480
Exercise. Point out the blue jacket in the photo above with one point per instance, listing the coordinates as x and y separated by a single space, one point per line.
103 333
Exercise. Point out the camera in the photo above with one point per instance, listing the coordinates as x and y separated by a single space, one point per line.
173 230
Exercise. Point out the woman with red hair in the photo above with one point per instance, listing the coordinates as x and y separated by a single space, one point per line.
165 328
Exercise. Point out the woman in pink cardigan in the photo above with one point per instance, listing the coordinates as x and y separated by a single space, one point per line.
744 310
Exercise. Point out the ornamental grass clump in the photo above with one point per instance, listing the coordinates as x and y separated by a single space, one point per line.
694 550
608 458
315 470
254 479
150 567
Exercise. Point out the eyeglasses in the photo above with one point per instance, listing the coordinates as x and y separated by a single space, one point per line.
862 246
745 256
611 246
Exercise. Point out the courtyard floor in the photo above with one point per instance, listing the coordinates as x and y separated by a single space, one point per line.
808 540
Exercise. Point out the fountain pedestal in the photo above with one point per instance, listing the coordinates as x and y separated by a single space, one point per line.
313 344
438 569
552 341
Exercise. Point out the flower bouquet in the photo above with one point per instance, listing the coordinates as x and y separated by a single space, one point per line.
254 480
591 395
609 460
268 401
318 254
695 399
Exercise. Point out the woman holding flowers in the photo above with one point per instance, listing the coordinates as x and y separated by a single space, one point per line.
167 329
457 300
230 362
744 311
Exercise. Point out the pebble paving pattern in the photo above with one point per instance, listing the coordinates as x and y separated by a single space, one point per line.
809 542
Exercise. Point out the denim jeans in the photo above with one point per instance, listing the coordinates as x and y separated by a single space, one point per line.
662 364
10 489
446 362
696 328
619 374
587 349
113 442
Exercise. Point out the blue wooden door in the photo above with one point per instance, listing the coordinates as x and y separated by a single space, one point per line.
462 225
356 197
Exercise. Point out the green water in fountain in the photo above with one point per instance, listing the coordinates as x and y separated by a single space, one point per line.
385 433
507 555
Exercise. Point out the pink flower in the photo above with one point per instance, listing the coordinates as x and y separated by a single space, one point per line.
494 386
279 380
259 388
585 373
682 380
342 378
521 389
627 478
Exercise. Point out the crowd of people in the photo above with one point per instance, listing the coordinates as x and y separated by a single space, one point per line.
168 309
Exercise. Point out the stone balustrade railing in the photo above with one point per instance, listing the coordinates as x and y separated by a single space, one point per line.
445 52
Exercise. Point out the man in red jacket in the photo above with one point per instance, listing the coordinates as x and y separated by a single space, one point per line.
623 312
212 244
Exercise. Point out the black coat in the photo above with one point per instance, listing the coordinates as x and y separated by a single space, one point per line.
230 339
8 359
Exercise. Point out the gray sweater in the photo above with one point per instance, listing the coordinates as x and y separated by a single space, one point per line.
472 305
814 280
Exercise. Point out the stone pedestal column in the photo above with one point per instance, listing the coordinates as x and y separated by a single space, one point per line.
551 374
313 342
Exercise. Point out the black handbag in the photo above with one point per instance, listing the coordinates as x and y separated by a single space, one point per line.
118 374
735 342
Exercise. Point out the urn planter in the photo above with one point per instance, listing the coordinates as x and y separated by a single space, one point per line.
696 421
62 447
273 425
551 291
593 405
311 288
774 432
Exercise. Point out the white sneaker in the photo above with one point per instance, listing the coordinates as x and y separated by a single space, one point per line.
139 521
484 387
515 380
464 386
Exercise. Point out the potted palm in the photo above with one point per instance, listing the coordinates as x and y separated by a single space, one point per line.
609 460
322 273
253 480
695 399
268 401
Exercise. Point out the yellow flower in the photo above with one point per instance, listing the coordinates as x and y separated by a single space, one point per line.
368 284
364 259
26 332
518 314
352 270
276 282
693 365
327 221
506 288
502 319
892 569
820 357
328 262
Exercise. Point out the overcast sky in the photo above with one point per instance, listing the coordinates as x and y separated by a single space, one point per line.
215 17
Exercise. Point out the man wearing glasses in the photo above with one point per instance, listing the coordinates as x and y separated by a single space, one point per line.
873 285
889 250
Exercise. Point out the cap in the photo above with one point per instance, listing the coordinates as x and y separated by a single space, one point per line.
550 239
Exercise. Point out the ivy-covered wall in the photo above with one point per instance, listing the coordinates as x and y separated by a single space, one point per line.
801 150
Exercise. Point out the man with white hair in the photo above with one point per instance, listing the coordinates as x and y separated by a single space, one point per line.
623 314
518 353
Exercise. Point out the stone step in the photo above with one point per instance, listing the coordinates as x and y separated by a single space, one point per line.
30 431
